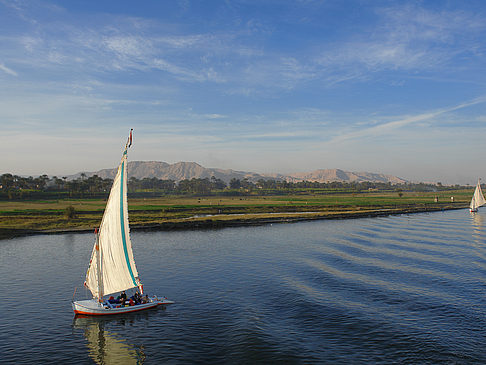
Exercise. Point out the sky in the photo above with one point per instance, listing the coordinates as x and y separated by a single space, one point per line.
268 86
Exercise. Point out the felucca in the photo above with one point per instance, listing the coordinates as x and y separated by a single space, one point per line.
112 267
477 199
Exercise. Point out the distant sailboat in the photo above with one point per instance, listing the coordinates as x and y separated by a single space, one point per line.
477 199
112 267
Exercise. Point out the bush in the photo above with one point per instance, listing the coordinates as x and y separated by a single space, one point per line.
70 212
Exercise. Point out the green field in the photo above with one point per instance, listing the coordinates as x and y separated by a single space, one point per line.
20 217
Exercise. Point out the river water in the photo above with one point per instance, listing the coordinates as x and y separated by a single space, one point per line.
399 289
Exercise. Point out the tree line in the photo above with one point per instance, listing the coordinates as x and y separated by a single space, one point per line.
18 187
14 186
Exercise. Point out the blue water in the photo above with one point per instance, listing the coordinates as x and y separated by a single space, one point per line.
402 289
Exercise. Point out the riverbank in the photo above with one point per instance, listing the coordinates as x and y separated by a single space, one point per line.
150 221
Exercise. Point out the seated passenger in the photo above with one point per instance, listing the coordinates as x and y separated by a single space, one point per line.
108 304
137 298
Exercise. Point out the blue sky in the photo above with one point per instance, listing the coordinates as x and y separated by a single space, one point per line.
395 87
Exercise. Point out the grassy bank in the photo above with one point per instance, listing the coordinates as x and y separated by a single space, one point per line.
29 217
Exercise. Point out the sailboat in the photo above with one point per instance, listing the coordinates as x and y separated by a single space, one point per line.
112 267
477 199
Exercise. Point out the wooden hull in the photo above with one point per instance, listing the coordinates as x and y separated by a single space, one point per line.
92 307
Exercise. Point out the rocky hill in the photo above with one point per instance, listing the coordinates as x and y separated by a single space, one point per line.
188 170
177 171
330 175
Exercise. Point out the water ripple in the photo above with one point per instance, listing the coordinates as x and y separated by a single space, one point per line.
401 289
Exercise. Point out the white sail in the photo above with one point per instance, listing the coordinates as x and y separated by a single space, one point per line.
113 250
478 198
91 281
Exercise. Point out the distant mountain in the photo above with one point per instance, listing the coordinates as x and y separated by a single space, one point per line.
177 171
188 170
330 175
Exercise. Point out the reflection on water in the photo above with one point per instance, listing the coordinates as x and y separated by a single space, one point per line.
478 230
477 220
477 233
109 346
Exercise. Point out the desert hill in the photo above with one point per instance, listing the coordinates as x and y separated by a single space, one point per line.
188 170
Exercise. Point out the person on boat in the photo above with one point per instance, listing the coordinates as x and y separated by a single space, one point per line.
135 298
123 297
112 300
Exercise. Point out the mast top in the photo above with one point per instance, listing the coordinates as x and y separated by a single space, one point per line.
129 141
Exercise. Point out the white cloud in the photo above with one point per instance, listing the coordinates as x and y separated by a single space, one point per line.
176 80
387 127
8 70
280 135
406 37
215 116
30 43
182 41
412 22
181 72
127 46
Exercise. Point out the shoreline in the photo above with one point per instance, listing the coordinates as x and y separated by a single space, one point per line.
228 220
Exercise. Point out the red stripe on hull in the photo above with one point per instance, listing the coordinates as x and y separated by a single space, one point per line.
118 312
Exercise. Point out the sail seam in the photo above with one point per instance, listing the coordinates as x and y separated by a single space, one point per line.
123 223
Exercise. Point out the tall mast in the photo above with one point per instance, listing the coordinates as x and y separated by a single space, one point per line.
98 265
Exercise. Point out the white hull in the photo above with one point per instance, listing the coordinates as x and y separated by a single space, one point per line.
92 307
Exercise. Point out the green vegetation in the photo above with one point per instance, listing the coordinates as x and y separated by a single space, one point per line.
184 211
70 212
43 204
13 187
